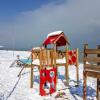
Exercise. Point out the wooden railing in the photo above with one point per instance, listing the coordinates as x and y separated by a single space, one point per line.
91 67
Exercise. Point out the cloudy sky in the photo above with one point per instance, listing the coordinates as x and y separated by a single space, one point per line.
25 23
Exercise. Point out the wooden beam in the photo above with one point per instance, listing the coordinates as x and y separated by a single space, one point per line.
60 64
99 53
55 55
84 85
77 69
98 89
66 68
92 51
98 79
21 71
40 59
92 67
31 78
91 73
93 59
31 74
51 57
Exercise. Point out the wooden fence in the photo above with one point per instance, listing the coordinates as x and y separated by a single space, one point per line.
91 67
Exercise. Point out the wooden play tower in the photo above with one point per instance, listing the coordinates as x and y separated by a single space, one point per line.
47 56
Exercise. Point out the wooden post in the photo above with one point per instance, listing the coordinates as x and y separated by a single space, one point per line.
51 56
48 57
97 89
55 62
98 54
84 74
67 63
31 77
43 52
40 59
55 55
98 80
84 85
77 68
40 66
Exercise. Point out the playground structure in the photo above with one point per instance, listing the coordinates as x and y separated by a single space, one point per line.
92 68
47 59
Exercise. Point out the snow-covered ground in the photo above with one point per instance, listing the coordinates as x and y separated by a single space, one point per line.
13 87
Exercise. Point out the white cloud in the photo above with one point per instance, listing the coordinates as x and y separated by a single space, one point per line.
77 18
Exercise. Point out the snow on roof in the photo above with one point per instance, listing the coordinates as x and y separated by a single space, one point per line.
54 33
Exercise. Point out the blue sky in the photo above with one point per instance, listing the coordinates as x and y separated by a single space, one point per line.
11 8
25 23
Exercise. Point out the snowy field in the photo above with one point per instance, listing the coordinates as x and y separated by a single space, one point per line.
14 88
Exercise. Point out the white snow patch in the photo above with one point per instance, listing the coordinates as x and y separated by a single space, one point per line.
9 81
36 48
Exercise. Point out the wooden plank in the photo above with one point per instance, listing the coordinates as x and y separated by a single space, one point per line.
66 68
36 65
55 49
61 64
40 59
31 77
93 74
51 55
84 85
92 51
20 71
98 55
92 59
92 67
97 89
77 69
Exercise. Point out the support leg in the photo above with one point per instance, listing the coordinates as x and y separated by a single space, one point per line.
67 75
84 87
98 89
77 67
77 75
21 71
56 77
31 78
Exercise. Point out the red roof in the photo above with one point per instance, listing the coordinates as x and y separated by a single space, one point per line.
59 39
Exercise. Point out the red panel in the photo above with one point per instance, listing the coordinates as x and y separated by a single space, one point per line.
72 57
70 62
47 81
70 53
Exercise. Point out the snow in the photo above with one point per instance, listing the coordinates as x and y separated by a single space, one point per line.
36 62
36 48
58 61
13 87
54 33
